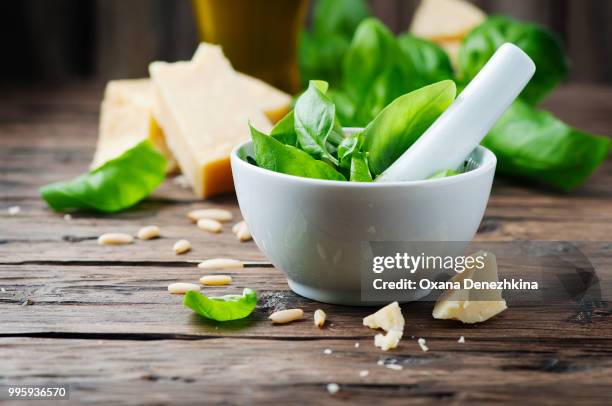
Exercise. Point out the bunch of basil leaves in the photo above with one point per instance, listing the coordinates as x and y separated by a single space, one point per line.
529 143
309 141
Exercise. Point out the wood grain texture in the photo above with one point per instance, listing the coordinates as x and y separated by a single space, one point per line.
100 319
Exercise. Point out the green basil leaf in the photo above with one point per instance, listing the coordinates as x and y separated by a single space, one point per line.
444 174
339 16
322 49
345 107
350 144
542 45
372 52
534 144
284 130
426 62
223 308
116 185
360 172
276 156
314 116
402 122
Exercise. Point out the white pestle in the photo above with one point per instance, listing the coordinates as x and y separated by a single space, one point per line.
455 134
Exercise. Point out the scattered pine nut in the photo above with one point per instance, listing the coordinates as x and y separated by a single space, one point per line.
242 231
244 234
220 263
422 342
211 214
319 318
395 367
209 225
333 388
364 373
182 287
215 280
115 239
461 340
181 247
286 316
148 232
237 226
327 351
14 210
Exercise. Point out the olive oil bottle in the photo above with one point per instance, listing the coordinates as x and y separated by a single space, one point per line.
260 37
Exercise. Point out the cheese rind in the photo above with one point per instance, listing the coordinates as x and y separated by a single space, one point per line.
455 304
126 120
204 111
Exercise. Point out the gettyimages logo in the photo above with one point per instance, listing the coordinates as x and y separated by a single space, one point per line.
525 271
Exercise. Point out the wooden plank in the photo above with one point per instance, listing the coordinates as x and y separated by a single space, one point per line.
235 371
133 300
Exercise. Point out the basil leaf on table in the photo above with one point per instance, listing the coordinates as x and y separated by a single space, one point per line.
116 185
360 172
542 45
222 308
314 117
276 156
402 122
534 144
426 62
320 50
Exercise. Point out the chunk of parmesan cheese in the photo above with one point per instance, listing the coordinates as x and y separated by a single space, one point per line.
204 111
472 307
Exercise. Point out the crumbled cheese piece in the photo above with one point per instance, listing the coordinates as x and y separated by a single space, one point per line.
395 367
455 304
388 318
327 351
461 340
14 210
364 373
388 341
356 345
333 388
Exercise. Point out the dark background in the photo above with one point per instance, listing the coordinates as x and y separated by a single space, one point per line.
64 40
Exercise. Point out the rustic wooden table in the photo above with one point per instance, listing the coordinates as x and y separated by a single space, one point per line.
99 318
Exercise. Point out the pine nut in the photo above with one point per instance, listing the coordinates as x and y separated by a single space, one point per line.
148 232
181 247
242 231
286 316
319 318
422 342
215 280
182 287
115 239
209 225
237 226
220 263
212 214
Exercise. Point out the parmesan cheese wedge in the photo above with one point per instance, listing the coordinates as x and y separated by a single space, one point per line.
445 20
273 102
204 111
455 304
126 120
